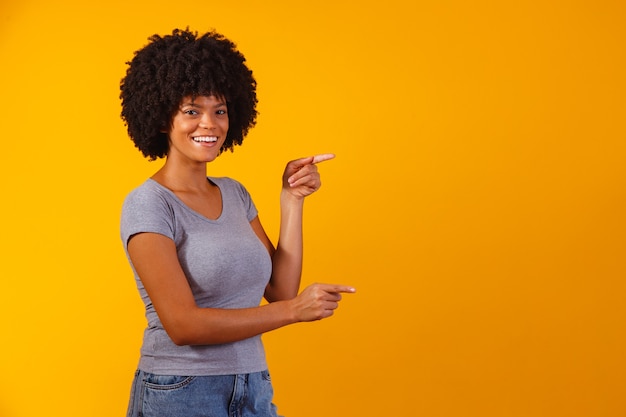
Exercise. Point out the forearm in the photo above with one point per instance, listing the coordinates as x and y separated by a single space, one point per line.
206 326
287 259
202 326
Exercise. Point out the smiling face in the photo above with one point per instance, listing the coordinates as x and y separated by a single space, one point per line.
198 129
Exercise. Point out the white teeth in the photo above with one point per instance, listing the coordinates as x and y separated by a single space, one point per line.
205 139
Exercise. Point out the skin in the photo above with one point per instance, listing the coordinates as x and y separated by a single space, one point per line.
154 256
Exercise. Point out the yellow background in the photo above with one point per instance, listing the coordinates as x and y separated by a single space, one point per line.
477 201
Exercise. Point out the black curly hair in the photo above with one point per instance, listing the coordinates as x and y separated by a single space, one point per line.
172 67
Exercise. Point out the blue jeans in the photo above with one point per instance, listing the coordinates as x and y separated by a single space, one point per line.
247 395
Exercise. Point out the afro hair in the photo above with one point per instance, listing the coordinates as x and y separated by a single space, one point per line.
183 64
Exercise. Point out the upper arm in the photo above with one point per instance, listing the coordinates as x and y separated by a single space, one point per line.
155 260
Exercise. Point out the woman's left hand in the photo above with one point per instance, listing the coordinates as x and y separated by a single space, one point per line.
301 178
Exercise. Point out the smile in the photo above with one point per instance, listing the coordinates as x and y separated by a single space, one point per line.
205 139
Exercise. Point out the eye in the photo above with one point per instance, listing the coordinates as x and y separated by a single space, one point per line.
221 112
190 112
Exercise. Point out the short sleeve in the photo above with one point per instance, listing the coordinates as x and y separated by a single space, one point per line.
146 211
246 199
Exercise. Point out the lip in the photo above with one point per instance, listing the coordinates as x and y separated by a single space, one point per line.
205 140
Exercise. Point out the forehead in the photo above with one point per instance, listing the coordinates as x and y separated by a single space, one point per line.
203 100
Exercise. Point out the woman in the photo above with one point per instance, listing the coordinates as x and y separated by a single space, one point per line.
201 258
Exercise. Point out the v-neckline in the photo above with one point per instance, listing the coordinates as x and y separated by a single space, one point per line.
187 207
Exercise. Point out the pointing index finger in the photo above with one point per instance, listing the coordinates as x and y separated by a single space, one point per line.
335 288
322 157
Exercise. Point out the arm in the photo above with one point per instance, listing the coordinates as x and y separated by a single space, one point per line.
156 262
300 179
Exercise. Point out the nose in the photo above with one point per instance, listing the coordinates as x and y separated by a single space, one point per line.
208 121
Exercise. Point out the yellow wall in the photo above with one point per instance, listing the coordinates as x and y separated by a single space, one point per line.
477 201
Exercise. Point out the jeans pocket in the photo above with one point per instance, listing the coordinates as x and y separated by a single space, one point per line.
266 376
166 382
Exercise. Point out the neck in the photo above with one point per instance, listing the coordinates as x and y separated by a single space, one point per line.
182 178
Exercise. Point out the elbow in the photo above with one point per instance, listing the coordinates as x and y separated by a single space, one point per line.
186 334
179 337
180 340
273 296
181 333
274 292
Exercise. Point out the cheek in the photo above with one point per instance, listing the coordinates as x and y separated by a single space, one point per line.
181 127
225 125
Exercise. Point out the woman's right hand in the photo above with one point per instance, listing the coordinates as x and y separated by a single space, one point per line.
318 301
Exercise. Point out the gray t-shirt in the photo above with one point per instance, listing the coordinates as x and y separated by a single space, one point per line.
226 264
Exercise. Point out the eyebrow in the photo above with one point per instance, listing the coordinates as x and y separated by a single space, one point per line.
194 104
